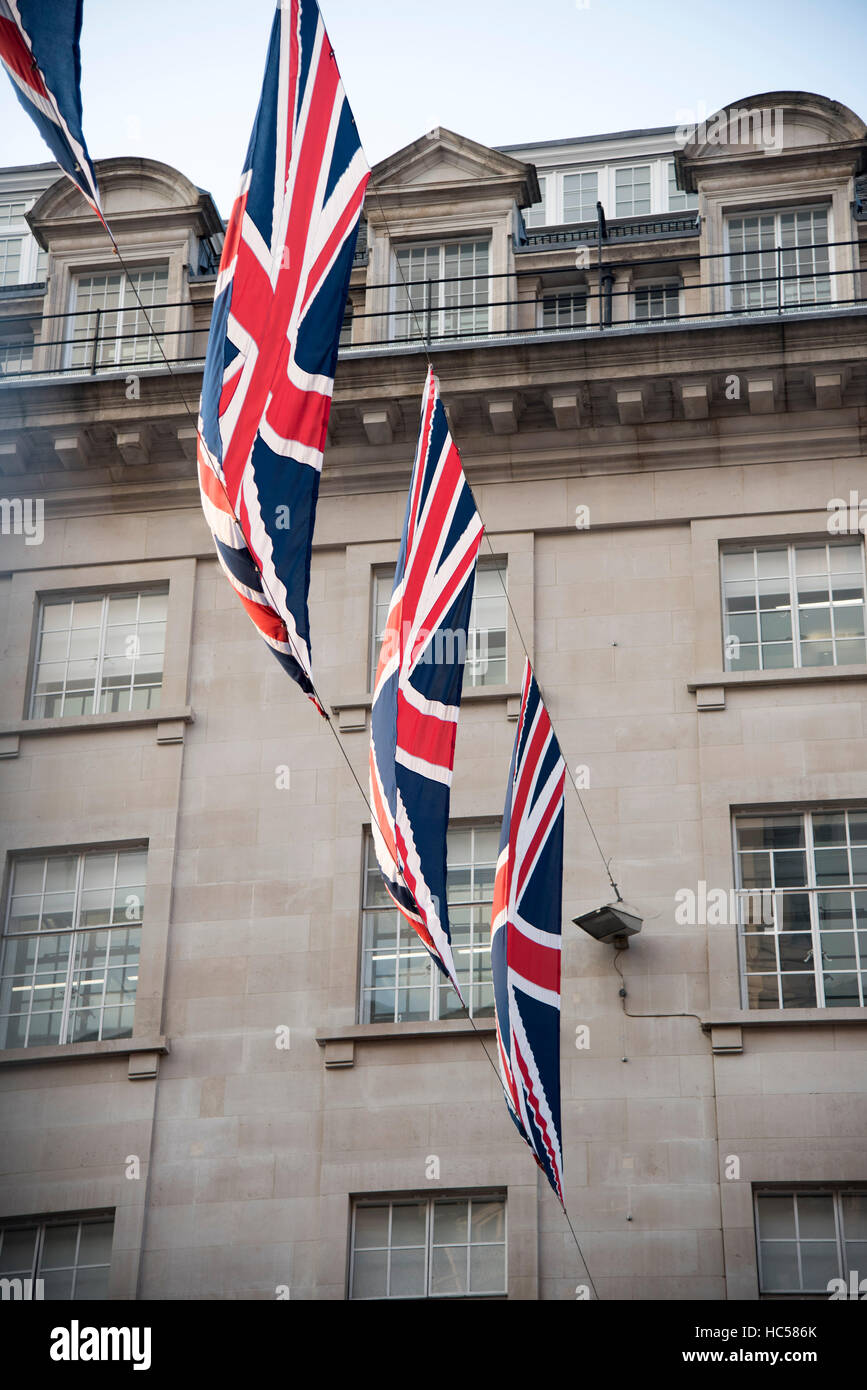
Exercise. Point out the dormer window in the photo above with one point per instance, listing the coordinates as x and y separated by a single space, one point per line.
580 195
107 326
632 190
442 290
21 261
678 201
779 259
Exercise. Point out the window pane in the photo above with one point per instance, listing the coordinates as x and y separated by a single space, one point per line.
487 1221
17 1250
854 1207
407 1273
369 1274
58 1247
408 1224
450 1222
91 1283
449 1269
96 1241
815 1217
819 1263
488 1269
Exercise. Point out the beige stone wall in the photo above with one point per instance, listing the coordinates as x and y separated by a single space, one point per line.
251 1153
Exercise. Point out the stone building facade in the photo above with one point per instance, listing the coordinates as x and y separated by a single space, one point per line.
224 1070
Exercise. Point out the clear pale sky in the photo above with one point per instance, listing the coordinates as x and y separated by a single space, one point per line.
178 80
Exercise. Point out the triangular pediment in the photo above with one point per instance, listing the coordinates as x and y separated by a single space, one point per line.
441 157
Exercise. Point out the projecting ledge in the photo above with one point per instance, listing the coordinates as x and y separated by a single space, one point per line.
351 713
710 690
723 1025
143 1054
340 1043
169 724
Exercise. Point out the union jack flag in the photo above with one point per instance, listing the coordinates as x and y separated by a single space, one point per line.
417 692
39 48
279 302
525 934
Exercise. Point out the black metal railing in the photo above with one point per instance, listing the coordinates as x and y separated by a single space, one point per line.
476 308
661 224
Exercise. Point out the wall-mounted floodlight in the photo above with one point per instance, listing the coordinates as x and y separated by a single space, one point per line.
611 923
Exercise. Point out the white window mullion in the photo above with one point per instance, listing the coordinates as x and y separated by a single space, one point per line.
73 946
794 601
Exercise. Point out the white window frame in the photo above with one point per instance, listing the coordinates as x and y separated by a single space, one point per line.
36 1270
649 286
676 192
104 595
480 939
77 933
31 253
632 166
483 1198
561 292
582 173
837 1193
792 547
777 213
772 896
110 346
419 318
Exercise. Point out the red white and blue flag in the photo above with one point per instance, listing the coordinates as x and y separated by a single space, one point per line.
417 692
278 307
39 49
526 934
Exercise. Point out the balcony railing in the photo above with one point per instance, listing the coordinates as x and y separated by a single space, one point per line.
661 224
603 294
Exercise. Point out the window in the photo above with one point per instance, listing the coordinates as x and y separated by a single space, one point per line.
435 1247
107 325
22 262
534 216
580 195
346 328
565 309
779 259
632 190
794 605
99 654
443 290
807 1238
677 200
70 947
399 981
809 948
486 638
15 358
10 213
71 1257
657 302
10 260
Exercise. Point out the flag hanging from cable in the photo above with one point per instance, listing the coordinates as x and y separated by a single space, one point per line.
279 302
39 47
417 691
526 933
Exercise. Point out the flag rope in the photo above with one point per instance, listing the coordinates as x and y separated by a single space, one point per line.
425 342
